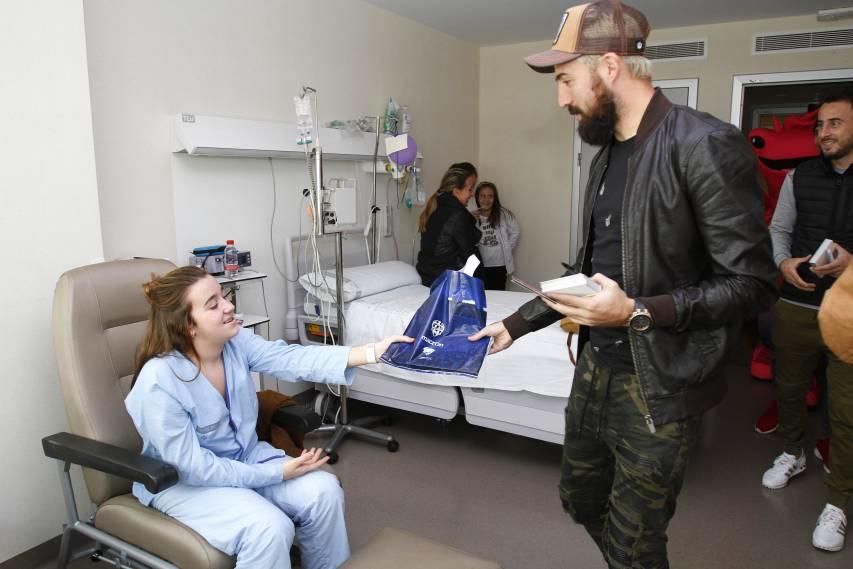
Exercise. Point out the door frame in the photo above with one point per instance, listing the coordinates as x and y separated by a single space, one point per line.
692 85
740 82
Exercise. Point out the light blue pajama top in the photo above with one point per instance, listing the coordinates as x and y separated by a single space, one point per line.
209 440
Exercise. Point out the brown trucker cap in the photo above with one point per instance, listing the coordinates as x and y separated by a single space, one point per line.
605 26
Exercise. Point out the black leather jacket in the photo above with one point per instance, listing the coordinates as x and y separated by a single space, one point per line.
695 251
451 237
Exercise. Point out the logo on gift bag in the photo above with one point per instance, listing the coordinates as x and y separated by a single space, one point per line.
437 327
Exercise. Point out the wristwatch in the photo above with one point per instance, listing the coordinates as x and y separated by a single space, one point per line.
641 320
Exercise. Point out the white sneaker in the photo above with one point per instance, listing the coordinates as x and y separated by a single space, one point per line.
785 467
830 530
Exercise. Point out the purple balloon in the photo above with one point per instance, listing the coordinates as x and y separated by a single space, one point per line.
406 156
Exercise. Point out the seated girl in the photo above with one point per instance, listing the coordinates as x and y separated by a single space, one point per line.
194 404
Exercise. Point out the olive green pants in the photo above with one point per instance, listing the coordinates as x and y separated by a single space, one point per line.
798 347
619 479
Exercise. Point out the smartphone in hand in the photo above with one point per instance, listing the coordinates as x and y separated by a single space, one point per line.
530 288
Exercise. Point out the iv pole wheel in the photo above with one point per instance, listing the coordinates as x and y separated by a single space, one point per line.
333 457
393 446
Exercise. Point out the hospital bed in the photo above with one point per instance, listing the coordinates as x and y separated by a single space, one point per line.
522 390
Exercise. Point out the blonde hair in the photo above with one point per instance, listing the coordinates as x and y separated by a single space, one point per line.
639 67
453 179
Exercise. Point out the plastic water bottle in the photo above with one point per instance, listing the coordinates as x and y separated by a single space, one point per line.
231 264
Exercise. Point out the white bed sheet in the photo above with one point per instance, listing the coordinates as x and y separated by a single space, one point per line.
538 362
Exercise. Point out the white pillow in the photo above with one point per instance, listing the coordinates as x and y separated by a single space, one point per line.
361 281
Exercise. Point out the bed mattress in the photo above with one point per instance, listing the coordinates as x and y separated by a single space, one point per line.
538 362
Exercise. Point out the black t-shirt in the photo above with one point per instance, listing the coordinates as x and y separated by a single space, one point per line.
606 239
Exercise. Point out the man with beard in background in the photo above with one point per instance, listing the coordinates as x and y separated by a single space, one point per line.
815 203
675 238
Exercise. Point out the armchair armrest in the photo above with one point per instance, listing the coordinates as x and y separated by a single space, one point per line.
155 474
296 419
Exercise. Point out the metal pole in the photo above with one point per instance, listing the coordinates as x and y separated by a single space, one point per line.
375 237
339 287
318 191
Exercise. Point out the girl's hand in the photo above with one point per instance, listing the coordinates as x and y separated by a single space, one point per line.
359 355
310 459
382 347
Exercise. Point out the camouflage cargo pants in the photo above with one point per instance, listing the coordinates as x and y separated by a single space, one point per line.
619 479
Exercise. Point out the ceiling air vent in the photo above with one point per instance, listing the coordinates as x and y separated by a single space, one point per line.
676 51
803 41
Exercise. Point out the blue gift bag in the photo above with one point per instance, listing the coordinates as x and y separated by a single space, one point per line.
455 309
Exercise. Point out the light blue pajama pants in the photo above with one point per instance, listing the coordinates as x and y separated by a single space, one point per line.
258 526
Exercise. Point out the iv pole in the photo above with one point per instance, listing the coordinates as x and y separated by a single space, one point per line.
374 253
358 427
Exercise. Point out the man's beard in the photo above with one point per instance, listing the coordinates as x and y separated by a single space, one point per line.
596 128
843 150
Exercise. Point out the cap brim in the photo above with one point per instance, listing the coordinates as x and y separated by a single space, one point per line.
545 61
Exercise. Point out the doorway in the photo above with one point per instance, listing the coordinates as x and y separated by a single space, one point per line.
817 80
764 105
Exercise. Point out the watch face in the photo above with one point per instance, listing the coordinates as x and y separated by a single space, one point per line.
641 322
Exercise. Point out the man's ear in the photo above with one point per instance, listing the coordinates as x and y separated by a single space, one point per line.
610 67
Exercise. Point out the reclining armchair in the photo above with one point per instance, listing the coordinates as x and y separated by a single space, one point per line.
99 318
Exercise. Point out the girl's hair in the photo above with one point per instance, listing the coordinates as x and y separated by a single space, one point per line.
453 179
467 166
497 209
170 320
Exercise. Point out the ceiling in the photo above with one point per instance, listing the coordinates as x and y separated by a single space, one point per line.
496 22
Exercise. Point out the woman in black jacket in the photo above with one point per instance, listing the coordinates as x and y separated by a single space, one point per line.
449 233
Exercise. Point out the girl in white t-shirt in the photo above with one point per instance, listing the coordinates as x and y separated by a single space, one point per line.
500 236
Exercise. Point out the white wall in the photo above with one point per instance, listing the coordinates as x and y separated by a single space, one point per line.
526 150
151 60
526 144
49 223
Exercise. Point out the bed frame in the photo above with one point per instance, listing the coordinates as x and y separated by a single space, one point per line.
518 412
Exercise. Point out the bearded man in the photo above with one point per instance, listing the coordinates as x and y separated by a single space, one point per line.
815 203
674 235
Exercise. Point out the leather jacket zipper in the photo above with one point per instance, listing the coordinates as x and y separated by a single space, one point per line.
649 420
585 252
